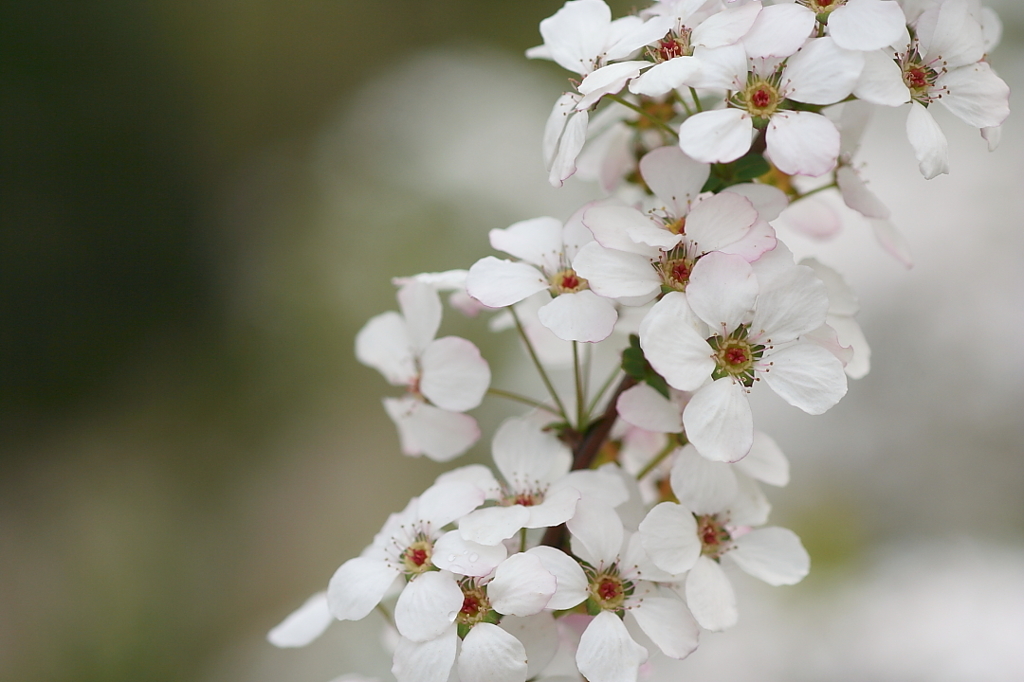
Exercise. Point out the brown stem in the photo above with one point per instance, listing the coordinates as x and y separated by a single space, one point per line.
585 449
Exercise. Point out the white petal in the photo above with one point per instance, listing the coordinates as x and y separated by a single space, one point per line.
765 461
881 81
721 68
669 624
710 596
526 454
674 177
576 33
571 581
597 532
464 557
720 220
948 32
607 653
722 135
617 274
489 653
454 376
719 422
811 217
774 555
428 606
599 484
521 586
779 31
491 525
429 661
807 376
975 95
645 408
538 635
665 77
893 241
792 301
558 507
607 80
669 536
673 346
866 24
758 240
722 291
569 146
822 72
498 283
857 196
304 624
444 502
802 142
581 316
929 143
358 586
383 343
537 241
767 200
727 26
421 308
565 106
705 487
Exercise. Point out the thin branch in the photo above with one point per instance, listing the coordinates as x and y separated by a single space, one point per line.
540 368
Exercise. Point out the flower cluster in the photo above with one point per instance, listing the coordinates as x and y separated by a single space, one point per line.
618 510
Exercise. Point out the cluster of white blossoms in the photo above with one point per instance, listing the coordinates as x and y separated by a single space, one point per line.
619 510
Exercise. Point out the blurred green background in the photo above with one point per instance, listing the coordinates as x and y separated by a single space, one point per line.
196 216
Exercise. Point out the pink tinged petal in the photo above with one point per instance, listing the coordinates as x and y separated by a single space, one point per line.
792 301
538 635
571 581
975 95
429 661
720 220
826 337
454 376
499 283
949 32
765 461
557 507
358 586
564 108
610 225
822 72
703 486
669 624
569 146
669 536
383 343
719 422
802 142
768 201
537 241
710 596
645 408
866 24
672 344
850 335
442 503
575 34
881 81
721 68
489 653
521 586
453 553
779 31
726 27
491 525
428 606
597 532
607 653
807 376
674 177
665 77
421 308
774 555
717 136
617 274
893 241
606 81
758 240
929 143
602 485
857 196
581 316
303 625
722 291
812 218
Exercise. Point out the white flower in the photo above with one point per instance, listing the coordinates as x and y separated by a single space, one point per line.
545 250
444 377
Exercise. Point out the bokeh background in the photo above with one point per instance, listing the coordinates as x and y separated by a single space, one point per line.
201 203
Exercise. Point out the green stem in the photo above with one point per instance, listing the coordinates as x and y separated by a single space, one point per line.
604 388
580 397
387 614
522 539
830 185
520 399
656 121
666 451
696 100
540 368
